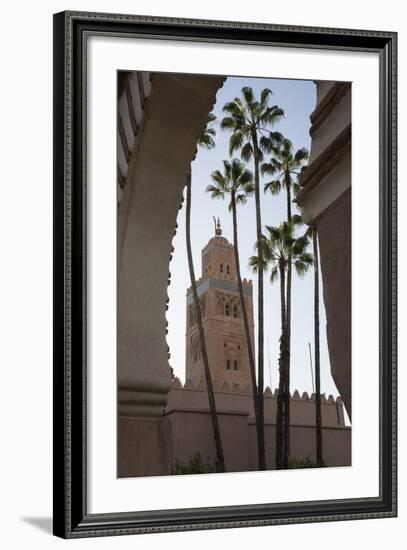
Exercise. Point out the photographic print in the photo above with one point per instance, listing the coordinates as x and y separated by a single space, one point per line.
255 369
224 322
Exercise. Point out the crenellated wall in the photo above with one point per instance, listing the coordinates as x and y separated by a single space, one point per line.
188 414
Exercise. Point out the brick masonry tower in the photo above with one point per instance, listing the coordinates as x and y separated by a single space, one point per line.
222 319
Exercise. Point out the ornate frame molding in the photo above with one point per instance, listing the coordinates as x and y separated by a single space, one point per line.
71 30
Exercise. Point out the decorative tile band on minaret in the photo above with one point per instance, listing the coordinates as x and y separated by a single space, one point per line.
222 318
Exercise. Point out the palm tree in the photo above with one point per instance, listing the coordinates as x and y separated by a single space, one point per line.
318 415
249 120
285 166
281 248
206 140
236 182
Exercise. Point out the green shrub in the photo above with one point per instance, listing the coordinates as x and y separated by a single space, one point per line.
195 466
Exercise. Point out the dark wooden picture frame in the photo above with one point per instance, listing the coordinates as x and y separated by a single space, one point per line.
71 518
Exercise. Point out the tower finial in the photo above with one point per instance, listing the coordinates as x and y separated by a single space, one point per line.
218 230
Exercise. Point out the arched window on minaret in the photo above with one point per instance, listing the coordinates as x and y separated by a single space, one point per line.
228 364
227 310
221 268
235 311
228 269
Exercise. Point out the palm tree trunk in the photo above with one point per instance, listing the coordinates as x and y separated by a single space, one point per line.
220 463
288 328
252 365
260 305
318 415
282 360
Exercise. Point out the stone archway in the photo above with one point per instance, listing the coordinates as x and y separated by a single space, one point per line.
162 148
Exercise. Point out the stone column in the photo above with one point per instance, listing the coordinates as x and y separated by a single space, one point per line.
175 114
325 201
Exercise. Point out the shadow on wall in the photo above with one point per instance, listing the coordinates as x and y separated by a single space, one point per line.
42 523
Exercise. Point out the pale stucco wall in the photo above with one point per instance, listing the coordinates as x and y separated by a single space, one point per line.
186 429
191 431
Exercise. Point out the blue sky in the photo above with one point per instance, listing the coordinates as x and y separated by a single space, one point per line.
297 98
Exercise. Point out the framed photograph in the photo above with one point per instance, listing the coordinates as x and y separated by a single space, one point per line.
224 274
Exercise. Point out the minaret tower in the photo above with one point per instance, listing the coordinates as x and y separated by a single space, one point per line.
222 319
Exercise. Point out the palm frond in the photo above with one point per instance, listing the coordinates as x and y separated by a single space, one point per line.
276 137
235 141
241 198
286 148
228 123
247 92
300 246
274 274
247 151
254 263
218 177
300 268
296 220
271 115
301 156
240 106
235 121
248 187
215 192
273 186
236 181
307 258
267 145
246 179
270 168
265 94
206 141
236 170
274 234
232 108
